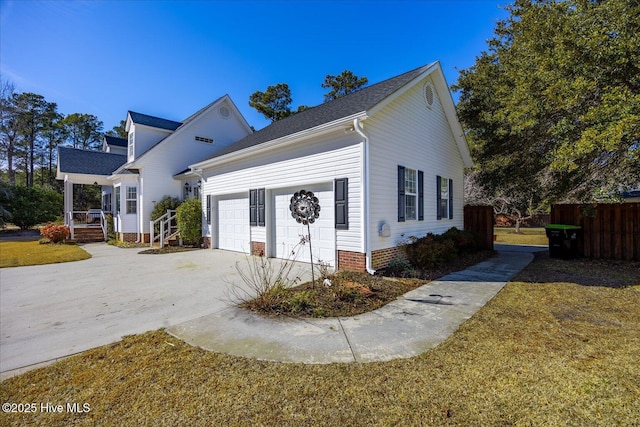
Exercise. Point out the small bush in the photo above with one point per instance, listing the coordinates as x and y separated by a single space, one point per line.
189 216
398 266
111 233
435 250
55 233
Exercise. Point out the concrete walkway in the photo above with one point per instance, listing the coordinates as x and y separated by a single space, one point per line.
414 323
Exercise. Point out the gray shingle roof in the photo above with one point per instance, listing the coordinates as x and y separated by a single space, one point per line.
348 105
75 160
112 140
152 121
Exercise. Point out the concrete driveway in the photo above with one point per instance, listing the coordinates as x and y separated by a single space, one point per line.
52 311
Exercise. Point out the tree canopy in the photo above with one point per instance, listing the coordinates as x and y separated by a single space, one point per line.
274 103
342 84
552 109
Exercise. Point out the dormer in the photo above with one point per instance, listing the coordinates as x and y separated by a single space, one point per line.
145 131
114 145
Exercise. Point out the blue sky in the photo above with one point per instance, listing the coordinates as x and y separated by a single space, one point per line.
170 58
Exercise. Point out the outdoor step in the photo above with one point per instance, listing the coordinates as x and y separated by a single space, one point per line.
87 235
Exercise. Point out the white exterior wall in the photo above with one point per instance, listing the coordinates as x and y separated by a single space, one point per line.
180 150
319 160
123 222
409 134
145 137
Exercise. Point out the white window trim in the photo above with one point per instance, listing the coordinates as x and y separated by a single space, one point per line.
131 145
408 194
128 199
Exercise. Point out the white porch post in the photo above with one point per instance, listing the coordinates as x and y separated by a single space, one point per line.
68 198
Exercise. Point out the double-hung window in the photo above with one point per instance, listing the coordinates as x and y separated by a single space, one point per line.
131 146
132 200
117 189
410 194
444 196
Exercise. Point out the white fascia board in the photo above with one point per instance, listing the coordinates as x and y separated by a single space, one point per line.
282 141
442 89
428 69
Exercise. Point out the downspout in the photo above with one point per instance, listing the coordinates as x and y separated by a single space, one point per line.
139 210
365 205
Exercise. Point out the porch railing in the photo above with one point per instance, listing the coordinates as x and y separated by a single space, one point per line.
167 228
93 218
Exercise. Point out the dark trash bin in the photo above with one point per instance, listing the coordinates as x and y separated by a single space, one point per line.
563 240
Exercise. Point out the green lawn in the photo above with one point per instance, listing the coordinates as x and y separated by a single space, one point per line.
527 236
17 253
542 352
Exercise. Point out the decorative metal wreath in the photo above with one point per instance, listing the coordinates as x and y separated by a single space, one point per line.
304 207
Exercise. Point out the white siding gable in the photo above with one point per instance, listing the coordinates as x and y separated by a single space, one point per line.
409 133
179 150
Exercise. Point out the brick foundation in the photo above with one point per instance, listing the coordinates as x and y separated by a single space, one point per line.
381 258
207 242
133 237
353 261
128 237
257 248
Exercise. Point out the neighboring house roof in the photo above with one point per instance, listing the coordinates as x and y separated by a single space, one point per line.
630 194
156 122
112 140
348 105
75 160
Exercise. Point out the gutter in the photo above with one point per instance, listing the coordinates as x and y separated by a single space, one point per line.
357 126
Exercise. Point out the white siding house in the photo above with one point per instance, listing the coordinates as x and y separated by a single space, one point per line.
385 163
395 148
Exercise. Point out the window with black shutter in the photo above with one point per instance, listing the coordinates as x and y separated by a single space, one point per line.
401 199
256 207
208 207
341 190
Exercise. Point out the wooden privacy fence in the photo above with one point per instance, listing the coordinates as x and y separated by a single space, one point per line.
480 220
609 231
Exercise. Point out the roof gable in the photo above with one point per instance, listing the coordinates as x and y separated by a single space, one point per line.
156 122
348 105
112 140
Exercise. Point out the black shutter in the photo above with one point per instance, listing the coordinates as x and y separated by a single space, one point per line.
401 199
261 207
208 208
450 199
420 196
253 207
438 196
340 194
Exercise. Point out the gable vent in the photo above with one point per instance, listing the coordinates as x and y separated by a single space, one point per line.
224 112
428 94
203 139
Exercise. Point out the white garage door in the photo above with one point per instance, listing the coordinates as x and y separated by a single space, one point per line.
233 223
288 231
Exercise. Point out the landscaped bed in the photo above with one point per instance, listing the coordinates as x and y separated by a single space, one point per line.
542 352
351 293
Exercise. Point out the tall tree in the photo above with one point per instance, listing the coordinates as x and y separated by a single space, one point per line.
84 131
54 134
119 131
553 107
274 104
8 127
31 110
342 84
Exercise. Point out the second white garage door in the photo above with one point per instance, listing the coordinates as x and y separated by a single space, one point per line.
233 223
288 231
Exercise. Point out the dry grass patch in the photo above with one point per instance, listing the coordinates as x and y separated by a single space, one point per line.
527 236
552 353
30 252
